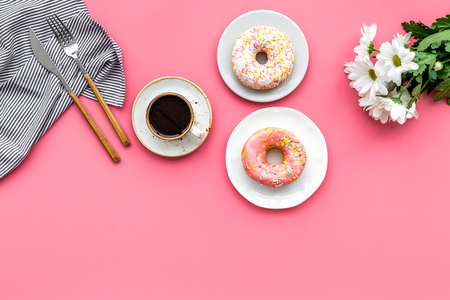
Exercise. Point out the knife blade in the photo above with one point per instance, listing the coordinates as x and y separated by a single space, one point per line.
45 60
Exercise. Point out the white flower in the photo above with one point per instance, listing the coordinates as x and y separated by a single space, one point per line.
397 112
397 61
367 102
367 78
375 106
348 66
366 46
403 40
398 107
378 111
391 108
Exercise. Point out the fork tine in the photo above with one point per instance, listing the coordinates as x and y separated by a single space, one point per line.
58 30
54 31
64 26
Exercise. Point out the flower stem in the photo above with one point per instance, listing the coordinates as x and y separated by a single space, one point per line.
392 88
423 86
405 87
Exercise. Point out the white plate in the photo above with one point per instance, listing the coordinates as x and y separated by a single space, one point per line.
200 105
262 18
308 134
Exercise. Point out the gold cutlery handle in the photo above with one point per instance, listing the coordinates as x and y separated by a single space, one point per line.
97 130
122 136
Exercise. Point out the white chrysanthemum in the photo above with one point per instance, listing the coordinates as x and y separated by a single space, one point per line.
377 110
367 78
367 102
366 46
397 61
348 66
403 40
390 108
375 106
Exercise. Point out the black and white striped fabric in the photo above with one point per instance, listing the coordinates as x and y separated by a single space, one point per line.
32 98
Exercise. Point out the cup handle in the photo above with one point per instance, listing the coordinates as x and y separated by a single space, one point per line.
196 132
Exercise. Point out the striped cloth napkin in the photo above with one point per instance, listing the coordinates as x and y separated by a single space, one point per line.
32 98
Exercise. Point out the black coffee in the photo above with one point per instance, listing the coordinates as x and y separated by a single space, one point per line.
170 116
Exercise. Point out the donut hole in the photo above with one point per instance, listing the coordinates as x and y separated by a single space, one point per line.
274 156
261 57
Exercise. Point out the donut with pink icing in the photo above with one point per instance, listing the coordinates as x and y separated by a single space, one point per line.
254 157
280 57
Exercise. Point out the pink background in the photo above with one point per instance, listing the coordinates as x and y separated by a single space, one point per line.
73 225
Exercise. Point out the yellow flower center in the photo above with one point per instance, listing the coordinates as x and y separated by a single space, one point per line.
396 60
372 74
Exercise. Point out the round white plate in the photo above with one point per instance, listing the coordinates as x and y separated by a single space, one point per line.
262 18
308 134
200 105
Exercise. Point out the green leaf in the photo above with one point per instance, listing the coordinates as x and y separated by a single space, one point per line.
436 45
433 75
447 47
416 91
445 72
444 88
419 79
442 23
432 43
416 44
415 94
423 59
418 30
434 38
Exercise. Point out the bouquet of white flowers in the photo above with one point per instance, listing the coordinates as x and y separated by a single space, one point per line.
390 88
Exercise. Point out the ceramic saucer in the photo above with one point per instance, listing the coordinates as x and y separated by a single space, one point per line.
262 18
200 105
308 134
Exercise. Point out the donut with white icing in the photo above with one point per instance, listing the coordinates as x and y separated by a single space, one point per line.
280 57
254 157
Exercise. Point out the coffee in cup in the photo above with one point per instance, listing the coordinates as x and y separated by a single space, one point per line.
170 116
